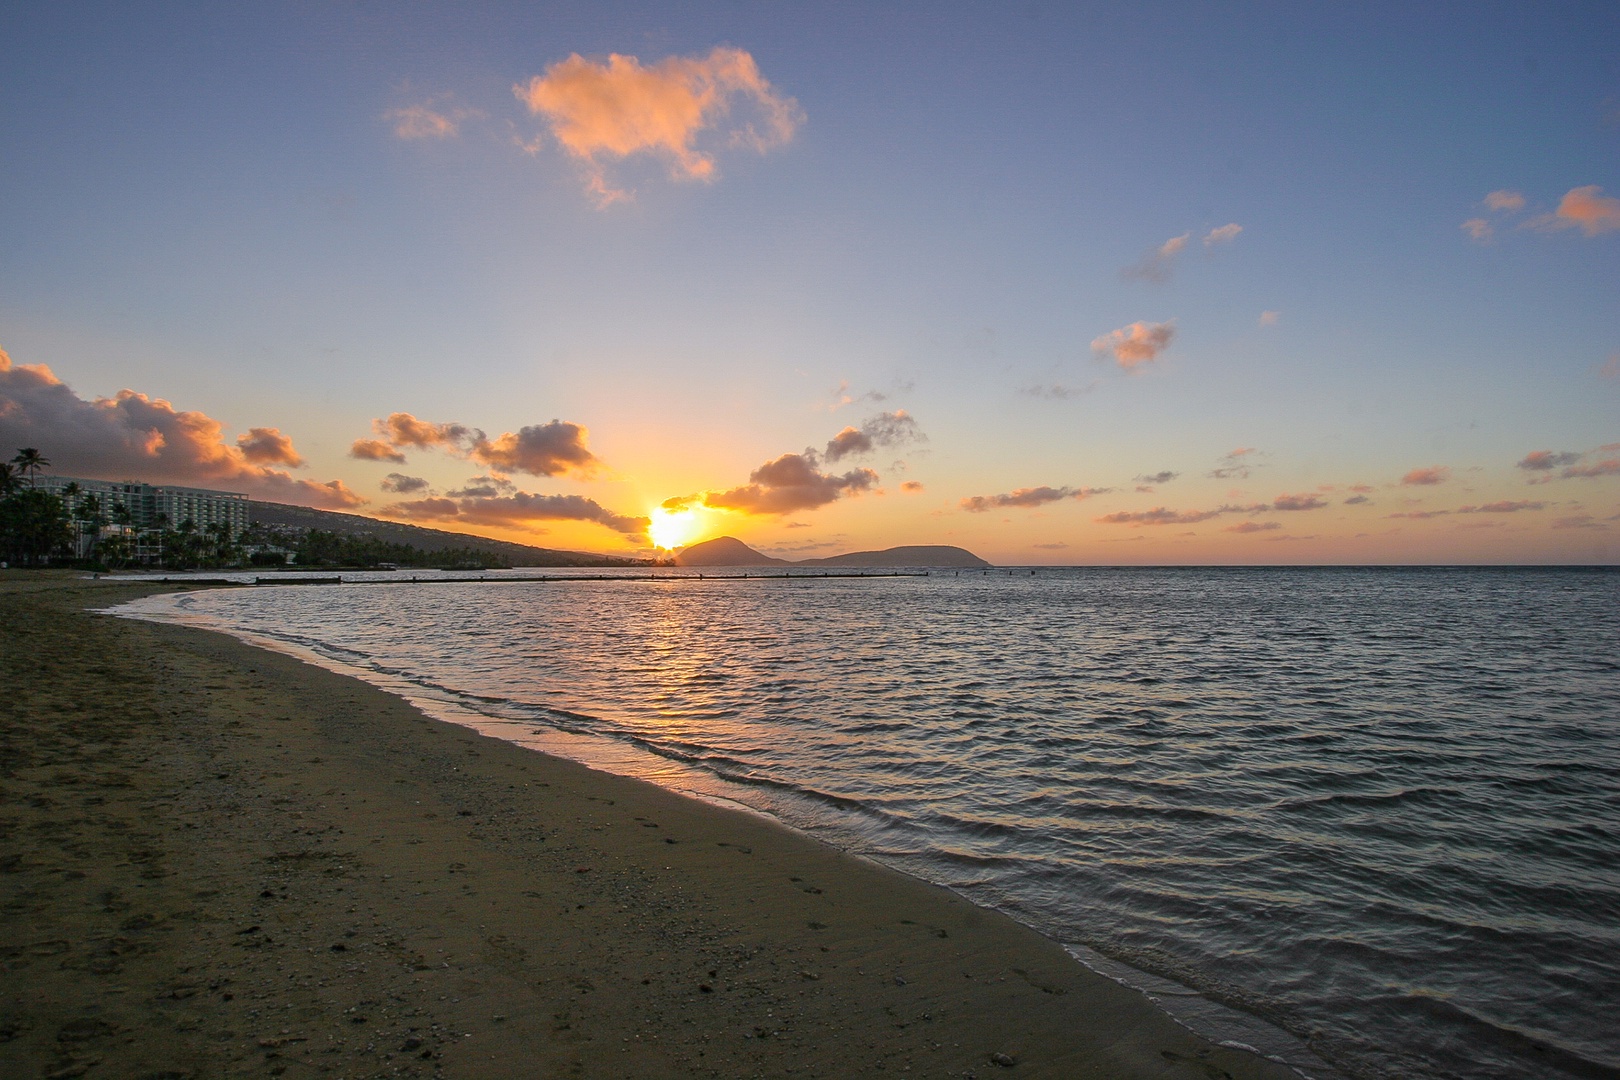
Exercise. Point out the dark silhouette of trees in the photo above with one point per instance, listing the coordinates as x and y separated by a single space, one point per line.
29 461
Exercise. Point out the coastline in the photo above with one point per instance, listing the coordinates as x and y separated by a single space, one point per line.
218 857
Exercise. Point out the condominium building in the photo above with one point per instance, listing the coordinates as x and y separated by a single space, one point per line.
152 506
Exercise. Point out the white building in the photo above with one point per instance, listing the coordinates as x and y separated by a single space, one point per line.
152 506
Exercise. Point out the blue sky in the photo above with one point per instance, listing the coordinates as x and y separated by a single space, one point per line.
217 208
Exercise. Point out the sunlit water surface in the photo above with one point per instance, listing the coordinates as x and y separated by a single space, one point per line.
1379 808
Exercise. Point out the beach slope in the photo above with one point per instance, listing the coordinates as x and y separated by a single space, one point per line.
216 860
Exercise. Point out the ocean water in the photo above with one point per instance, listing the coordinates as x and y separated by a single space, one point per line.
1377 809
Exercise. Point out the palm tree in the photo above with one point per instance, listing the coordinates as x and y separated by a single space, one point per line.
29 461
8 478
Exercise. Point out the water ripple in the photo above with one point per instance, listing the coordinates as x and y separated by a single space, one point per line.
1378 807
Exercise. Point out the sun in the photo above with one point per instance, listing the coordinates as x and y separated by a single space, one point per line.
671 529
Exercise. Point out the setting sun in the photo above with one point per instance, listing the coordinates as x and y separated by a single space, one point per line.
672 529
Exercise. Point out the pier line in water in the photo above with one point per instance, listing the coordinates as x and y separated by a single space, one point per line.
232 583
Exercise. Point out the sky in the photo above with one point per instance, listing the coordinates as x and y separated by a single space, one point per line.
1070 284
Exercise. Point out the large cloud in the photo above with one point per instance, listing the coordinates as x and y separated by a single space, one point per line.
134 437
599 111
789 483
1027 497
553 449
521 509
884 429
1135 344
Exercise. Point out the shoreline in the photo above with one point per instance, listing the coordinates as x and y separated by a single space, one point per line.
221 855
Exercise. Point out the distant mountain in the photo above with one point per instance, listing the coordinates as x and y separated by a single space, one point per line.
912 555
280 515
724 551
729 551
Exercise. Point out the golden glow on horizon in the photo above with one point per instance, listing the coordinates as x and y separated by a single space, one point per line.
672 529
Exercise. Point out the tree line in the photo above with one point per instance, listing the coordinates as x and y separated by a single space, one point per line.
38 528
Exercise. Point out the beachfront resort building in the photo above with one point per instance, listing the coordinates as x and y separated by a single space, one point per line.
152 506
140 513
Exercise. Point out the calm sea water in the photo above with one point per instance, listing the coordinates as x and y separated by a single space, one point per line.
1378 808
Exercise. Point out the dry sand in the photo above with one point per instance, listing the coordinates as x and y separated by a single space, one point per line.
220 861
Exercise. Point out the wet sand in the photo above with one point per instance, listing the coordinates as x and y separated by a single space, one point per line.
217 861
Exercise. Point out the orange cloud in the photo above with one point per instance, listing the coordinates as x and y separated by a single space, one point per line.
618 108
521 509
1135 344
1589 210
1478 229
403 429
1253 526
1435 474
789 483
132 436
1269 318
1298 502
1223 235
1507 201
375 450
912 486
268 446
552 449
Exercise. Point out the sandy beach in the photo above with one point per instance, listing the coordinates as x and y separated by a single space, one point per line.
217 860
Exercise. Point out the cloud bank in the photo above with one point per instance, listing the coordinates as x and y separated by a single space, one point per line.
134 437
521 509
554 449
